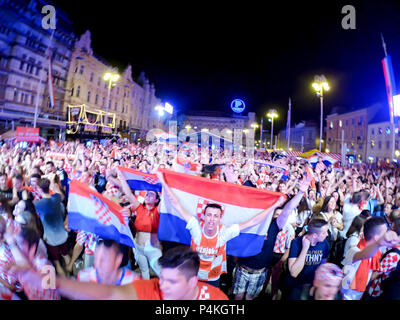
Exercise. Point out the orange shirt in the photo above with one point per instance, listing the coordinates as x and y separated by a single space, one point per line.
150 290
147 221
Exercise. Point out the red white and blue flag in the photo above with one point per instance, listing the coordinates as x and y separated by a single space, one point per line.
240 203
390 84
271 164
185 166
326 159
51 87
89 211
138 180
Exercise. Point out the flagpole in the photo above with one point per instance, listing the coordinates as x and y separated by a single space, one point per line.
390 107
40 82
289 122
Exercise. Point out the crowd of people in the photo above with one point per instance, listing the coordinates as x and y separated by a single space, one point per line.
334 232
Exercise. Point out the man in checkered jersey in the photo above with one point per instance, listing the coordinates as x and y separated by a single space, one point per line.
210 239
178 281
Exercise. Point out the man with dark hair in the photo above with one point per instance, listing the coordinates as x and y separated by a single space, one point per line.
306 254
363 259
210 238
178 281
108 261
52 214
5 190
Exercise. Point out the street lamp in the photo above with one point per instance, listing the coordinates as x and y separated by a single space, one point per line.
272 114
160 111
320 85
111 78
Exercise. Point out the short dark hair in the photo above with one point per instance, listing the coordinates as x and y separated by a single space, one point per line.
51 163
31 236
35 175
44 184
356 225
315 225
371 225
182 258
366 214
19 177
213 205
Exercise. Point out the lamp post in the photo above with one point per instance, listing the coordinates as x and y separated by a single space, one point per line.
111 78
320 85
272 114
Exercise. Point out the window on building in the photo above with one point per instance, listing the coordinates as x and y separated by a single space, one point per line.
104 102
15 94
72 92
388 130
372 131
96 100
380 131
116 106
397 144
78 91
21 66
387 144
360 145
340 123
352 121
99 81
380 145
91 77
352 133
82 69
88 96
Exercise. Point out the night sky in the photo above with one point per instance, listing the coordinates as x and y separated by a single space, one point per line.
201 55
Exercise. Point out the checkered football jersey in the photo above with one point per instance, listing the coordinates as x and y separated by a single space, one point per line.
88 240
34 293
283 239
388 264
6 260
113 191
211 250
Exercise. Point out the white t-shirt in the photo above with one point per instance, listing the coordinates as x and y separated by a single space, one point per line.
349 271
350 211
352 241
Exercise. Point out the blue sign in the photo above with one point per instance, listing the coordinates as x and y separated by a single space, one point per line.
238 106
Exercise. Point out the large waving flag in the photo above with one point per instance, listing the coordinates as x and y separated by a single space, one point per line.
51 86
326 159
89 211
239 203
138 180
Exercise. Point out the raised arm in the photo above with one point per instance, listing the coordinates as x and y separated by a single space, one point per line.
127 190
173 198
262 215
292 204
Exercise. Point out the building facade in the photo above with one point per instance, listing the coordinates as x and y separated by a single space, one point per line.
351 129
380 139
303 137
132 103
24 65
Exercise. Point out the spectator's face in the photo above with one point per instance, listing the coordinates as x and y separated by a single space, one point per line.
174 284
3 182
323 233
336 196
277 213
85 178
34 182
388 209
282 187
60 164
106 260
212 219
18 184
50 168
326 289
332 204
150 198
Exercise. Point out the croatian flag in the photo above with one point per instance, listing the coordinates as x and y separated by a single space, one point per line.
185 166
89 211
271 164
239 203
326 159
138 180
390 83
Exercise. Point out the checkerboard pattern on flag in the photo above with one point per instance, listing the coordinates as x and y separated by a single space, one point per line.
91 212
138 180
240 203
201 207
185 166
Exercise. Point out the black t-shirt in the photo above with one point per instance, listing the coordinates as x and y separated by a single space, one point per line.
8 193
248 183
100 182
264 258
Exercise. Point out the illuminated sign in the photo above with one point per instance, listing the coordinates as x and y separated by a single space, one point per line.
168 108
396 105
27 134
238 106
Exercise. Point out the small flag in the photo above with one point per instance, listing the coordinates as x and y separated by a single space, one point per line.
138 180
